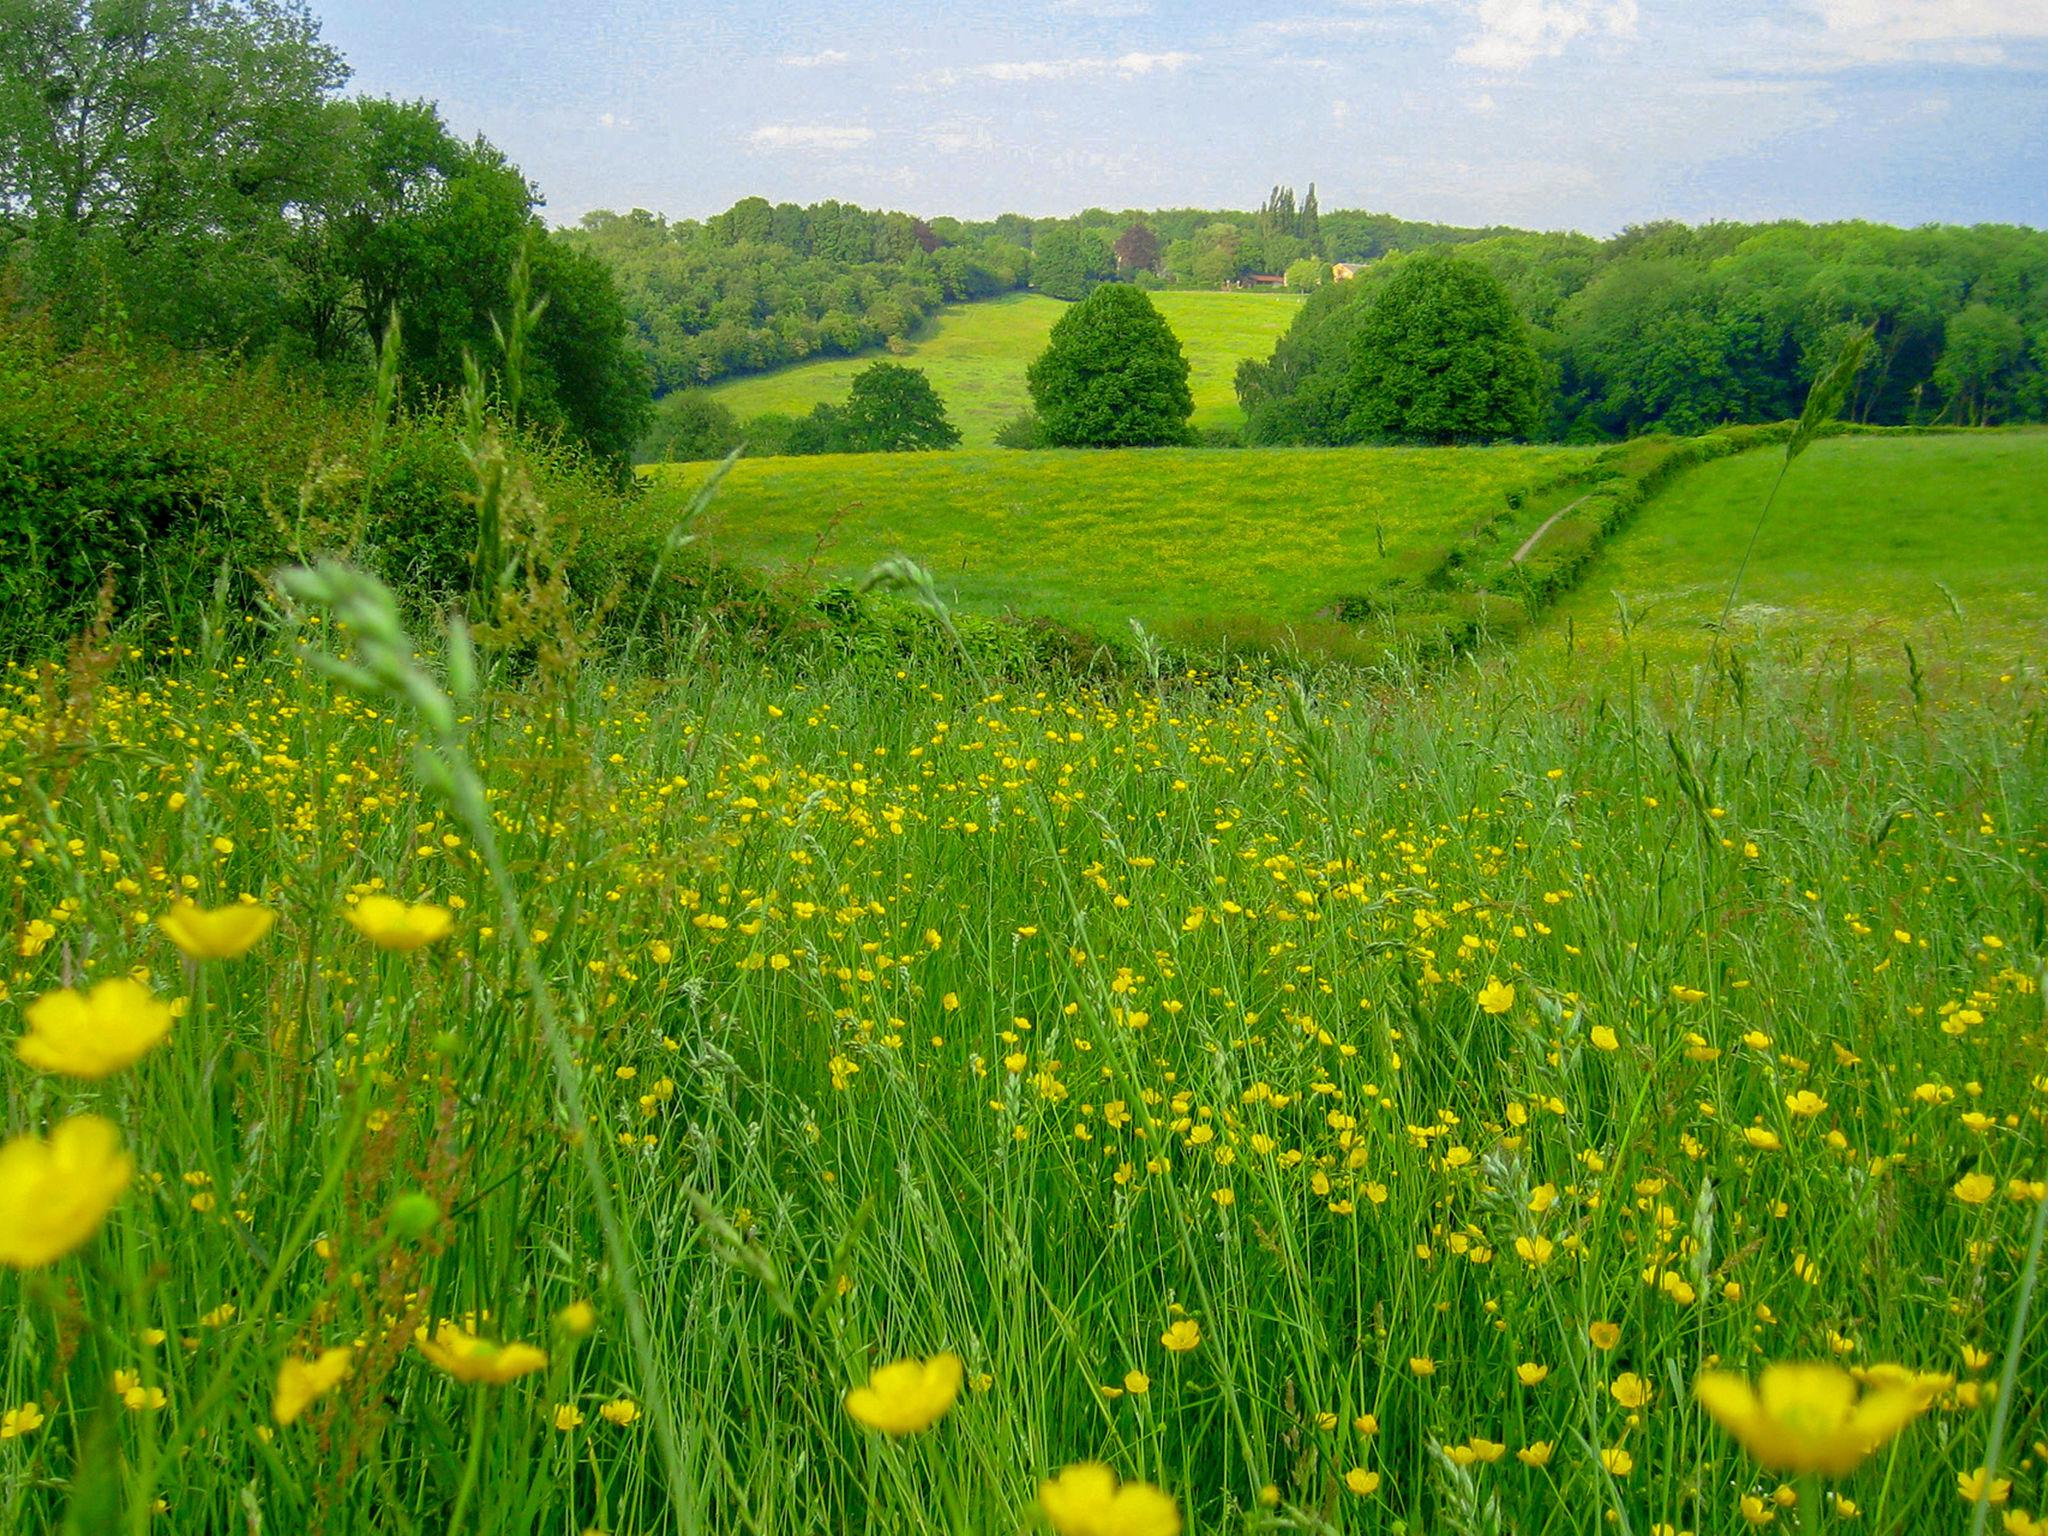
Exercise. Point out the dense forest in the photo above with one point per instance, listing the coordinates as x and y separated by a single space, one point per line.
1666 327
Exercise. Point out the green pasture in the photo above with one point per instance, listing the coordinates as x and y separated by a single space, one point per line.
1874 542
1184 540
976 355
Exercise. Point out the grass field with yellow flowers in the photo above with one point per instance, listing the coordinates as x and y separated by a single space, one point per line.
492 1090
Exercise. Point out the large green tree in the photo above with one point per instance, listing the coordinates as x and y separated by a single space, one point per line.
1066 262
1442 357
1112 375
162 154
894 409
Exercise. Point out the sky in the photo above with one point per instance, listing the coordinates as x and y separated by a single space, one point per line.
1550 114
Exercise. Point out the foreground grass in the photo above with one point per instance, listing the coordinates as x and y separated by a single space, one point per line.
1393 1039
1219 541
976 355
1875 543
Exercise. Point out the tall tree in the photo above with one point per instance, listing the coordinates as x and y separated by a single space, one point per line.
1112 375
1442 357
1137 249
167 144
894 409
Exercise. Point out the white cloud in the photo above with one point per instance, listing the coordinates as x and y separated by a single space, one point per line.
1514 33
1126 66
815 60
613 120
810 138
1956 31
1104 10
960 138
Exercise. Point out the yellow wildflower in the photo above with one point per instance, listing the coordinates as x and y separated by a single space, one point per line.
1087 1500
301 1383
1808 1418
908 1395
468 1358
222 933
54 1194
93 1034
392 924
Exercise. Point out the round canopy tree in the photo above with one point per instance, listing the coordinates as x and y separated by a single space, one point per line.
1443 357
894 409
1112 376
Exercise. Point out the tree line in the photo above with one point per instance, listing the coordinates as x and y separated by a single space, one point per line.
766 284
193 176
1679 329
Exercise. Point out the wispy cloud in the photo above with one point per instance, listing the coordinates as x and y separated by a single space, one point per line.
1127 66
815 60
810 138
1514 33
1953 31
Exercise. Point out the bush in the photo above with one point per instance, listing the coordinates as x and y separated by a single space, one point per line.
1113 376
690 425
1023 430
151 474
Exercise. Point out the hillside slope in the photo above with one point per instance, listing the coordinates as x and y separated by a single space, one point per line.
1869 540
1201 543
976 356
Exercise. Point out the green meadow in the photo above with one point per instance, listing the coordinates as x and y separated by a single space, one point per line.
976 356
1873 543
1170 537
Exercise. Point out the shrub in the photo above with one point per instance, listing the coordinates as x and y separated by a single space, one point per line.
690 425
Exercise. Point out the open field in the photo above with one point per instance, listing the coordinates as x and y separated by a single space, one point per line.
976 355
1095 538
1870 540
1348 1114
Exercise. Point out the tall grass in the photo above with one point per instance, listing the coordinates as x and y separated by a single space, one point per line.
909 1016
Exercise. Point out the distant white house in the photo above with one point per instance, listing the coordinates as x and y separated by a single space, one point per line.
1344 271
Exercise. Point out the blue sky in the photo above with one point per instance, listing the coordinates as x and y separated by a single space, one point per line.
1586 114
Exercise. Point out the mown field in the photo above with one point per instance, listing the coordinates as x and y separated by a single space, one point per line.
1940 542
976 355
1360 1110
1174 538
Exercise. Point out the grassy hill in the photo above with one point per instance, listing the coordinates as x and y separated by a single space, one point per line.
1189 541
976 354
1870 539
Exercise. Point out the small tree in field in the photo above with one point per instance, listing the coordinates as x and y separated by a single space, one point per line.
1113 376
1443 357
894 409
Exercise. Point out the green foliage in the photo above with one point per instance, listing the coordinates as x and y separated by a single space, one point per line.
1067 263
690 424
160 474
1676 329
1307 274
894 409
763 285
1112 376
166 157
188 172
1442 357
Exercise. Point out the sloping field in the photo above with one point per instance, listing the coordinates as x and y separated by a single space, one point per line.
1187 541
1940 541
976 355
